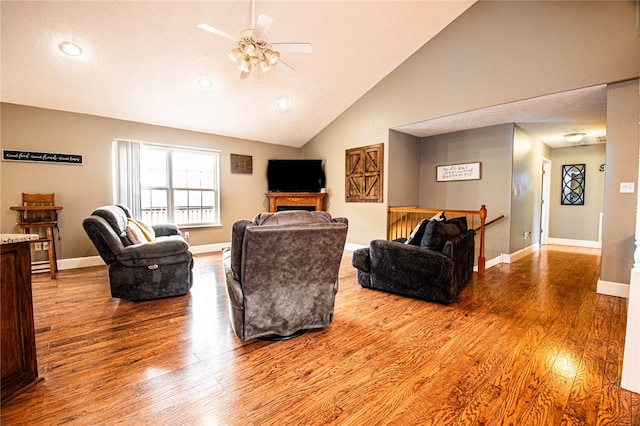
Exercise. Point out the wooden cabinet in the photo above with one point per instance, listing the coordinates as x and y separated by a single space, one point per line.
17 339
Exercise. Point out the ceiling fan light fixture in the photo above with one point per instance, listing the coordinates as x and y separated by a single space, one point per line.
235 55
574 137
245 65
271 56
251 49
264 66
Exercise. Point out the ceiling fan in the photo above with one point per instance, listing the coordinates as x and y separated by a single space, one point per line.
254 49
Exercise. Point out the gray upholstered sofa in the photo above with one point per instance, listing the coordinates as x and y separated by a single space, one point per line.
282 272
140 271
433 264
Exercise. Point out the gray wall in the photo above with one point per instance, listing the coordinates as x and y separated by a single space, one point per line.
577 222
403 170
492 146
496 52
623 110
526 189
80 189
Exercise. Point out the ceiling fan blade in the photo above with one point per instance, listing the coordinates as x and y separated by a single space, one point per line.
285 67
216 31
292 47
262 26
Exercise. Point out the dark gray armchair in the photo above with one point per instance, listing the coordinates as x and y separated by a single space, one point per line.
149 270
282 272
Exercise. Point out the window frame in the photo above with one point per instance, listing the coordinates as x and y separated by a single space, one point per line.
128 187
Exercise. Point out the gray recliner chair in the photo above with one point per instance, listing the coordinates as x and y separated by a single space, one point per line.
142 271
282 273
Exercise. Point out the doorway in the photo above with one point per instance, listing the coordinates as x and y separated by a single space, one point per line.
544 201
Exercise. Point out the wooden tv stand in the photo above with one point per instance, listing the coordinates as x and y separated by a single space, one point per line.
291 200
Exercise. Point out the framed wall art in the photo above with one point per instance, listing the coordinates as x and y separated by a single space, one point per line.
573 184
451 172
241 164
364 168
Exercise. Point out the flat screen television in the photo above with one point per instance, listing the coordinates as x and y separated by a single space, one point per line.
295 175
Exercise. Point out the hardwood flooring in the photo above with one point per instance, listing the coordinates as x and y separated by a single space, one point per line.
528 343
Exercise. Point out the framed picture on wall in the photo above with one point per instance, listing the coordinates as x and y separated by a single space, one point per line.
466 171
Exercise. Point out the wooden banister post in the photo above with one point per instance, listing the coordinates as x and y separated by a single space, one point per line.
481 259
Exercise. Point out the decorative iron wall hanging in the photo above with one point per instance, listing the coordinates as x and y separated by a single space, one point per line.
573 184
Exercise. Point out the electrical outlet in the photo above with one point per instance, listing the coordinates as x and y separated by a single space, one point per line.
45 245
186 235
37 246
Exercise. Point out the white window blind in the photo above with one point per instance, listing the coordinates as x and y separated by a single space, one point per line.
163 184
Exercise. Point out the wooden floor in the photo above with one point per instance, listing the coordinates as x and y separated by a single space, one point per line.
530 343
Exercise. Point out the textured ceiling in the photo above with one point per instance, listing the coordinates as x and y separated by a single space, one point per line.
142 60
547 118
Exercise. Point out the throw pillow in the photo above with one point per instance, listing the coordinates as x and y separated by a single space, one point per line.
439 217
461 222
139 232
416 235
437 233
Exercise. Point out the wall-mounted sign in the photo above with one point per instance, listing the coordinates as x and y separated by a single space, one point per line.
40 157
468 171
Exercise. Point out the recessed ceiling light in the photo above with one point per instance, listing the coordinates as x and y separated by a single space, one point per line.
283 104
205 82
70 49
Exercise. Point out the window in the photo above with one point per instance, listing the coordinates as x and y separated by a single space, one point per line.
168 184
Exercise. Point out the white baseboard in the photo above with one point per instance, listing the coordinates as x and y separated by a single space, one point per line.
208 248
491 262
80 262
352 247
574 243
610 288
508 258
89 261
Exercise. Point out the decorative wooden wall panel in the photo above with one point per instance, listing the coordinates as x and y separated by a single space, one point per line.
364 168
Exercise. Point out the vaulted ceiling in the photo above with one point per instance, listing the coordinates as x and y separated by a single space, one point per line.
142 61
